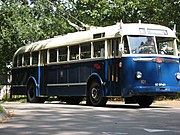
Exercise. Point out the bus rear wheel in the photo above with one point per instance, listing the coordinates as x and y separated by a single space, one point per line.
144 101
95 96
31 94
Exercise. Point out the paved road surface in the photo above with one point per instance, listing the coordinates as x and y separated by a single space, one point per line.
115 119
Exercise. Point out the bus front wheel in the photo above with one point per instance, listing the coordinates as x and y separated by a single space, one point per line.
144 101
95 96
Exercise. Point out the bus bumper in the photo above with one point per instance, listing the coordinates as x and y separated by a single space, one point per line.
151 91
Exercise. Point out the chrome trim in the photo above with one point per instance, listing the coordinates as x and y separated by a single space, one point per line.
143 59
154 60
66 84
18 85
172 61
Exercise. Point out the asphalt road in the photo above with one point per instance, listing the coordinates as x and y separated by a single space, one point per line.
114 119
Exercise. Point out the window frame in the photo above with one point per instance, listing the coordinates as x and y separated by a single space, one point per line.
63 55
85 52
55 56
32 58
25 62
101 51
19 60
74 55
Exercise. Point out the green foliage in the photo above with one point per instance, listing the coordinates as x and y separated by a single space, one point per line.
22 23
17 98
1 108
26 21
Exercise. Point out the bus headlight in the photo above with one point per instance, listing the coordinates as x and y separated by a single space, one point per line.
178 76
138 75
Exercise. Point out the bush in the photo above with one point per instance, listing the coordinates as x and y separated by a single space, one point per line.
16 98
1 108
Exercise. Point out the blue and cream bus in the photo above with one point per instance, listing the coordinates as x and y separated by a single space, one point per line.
135 61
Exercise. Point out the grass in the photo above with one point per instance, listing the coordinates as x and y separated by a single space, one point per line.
1 108
21 99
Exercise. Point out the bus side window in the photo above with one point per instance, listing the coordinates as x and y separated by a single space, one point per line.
62 53
85 50
99 50
53 55
35 58
74 52
126 47
43 57
26 59
20 60
115 47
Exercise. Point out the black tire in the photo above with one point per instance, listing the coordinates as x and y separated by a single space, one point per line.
144 101
31 94
94 96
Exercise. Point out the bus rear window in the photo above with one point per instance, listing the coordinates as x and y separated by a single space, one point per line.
15 61
20 60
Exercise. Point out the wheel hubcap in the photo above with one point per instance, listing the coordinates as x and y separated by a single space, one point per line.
95 93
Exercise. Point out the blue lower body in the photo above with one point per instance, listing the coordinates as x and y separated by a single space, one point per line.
151 91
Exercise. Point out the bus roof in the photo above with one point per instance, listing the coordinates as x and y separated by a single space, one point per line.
117 30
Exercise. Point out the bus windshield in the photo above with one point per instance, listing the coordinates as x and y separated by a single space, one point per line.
142 44
165 45
146 45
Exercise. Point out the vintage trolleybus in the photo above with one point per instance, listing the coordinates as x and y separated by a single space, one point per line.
134 61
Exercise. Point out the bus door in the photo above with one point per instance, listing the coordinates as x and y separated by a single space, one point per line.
119 48
42 74
114 67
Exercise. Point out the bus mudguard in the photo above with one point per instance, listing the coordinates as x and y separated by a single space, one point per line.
95 76
31 78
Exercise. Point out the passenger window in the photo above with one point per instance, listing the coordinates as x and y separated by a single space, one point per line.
20 60
43 57
85 50
115 47
99 50
126 47
53 55
26 59
35 56
62 53
74 52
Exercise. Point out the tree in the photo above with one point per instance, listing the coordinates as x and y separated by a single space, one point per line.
107 12
26 21
23 23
